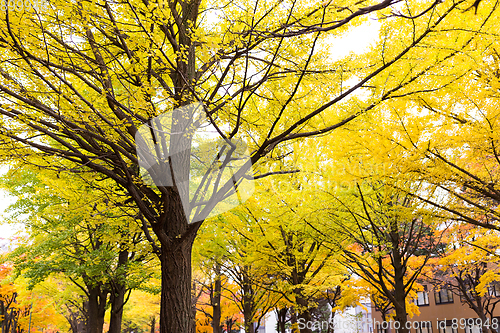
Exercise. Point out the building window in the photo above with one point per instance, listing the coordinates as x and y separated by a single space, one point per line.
382 330
494 289
424 327
422 297
443 296
446 327
473 328
470 295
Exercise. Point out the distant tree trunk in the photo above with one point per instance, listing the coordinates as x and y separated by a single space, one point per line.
281 316
8 318
76 322
117 300
399 285
3 314
304 313
330 327
248 306
229 325
153 324
293 321
464 283
96 308
332 301
118 291
215 300
477 304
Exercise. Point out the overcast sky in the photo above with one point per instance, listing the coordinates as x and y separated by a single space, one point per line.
6 230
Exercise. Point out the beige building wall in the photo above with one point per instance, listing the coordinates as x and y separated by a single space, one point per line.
446 317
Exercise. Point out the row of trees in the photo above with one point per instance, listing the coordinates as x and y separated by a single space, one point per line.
55 305
310 244
413 125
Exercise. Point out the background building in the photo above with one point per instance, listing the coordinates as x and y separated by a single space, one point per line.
440 312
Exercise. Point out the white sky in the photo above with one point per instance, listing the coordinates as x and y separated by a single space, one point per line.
6 230
358 40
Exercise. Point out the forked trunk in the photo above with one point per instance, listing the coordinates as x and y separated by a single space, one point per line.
173 231
76 320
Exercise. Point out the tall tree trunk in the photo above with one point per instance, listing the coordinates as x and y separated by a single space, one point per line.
174 232
118 292
400 307
15 317
172 228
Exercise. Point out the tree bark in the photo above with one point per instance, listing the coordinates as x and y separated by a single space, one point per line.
399 285
117 302
400 307
281 314
118 292
248 302
76 320
14 318
293 320
153 324
304 312
96 309
215 300
174 232
176 315
229 326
